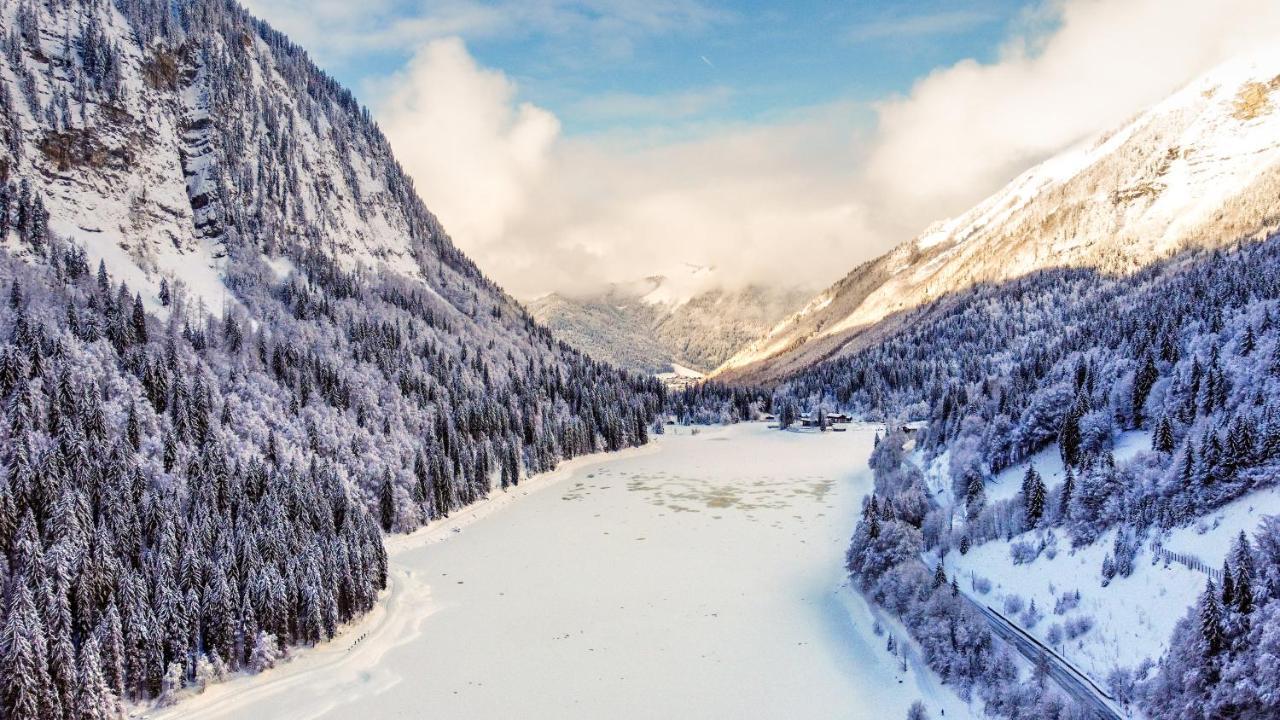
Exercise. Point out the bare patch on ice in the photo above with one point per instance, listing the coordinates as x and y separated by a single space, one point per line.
678 493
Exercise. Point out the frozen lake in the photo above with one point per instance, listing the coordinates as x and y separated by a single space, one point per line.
700 578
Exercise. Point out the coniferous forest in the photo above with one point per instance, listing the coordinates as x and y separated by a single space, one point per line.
190 490
187 496
237 351
1187 350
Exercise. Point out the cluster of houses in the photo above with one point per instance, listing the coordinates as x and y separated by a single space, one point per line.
819 420
832 421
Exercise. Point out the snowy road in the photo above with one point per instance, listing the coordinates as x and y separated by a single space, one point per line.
698 579
1078 686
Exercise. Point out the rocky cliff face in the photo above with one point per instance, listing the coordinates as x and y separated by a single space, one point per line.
166 140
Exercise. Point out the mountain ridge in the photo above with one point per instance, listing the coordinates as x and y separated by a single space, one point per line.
651 324
1199 166
236 350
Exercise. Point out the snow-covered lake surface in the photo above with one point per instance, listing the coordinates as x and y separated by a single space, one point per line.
698 578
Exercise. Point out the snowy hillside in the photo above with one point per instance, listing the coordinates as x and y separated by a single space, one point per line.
1105 446
654 324
1127 622
235 350
1201 168
163 151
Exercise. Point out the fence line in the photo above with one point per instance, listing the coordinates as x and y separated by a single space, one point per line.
1187 560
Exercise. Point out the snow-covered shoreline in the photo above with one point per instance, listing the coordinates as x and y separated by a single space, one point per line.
362 644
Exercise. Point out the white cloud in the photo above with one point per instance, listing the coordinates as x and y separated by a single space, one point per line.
799 199
541 212
759 203
476 155
965 130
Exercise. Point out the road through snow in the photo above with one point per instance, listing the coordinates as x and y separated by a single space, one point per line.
698 578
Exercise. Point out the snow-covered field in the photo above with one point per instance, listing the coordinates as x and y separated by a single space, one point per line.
1047 462
1133 617
701 578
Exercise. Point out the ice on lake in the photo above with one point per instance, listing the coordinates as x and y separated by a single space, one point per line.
700 579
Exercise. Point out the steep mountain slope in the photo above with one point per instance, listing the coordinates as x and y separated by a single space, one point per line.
647 327
163 149
235 344
1200 168
615 325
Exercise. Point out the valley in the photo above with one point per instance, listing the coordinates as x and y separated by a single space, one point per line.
661 324
275 444
701 576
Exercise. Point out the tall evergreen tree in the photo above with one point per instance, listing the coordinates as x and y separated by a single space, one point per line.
139 320
1162 441
1249 342
1244 593
1211 632
1036 501
387 503
1069 438
1066 493
93 698
26 690
1028 479
1143 381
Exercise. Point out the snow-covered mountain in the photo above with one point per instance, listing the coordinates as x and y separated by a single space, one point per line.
1200 168
161 150
236 349
653 324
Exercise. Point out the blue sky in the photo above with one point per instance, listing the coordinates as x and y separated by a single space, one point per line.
757 60
569 143
602 66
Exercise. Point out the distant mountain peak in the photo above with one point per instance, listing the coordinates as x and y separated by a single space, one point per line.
656 324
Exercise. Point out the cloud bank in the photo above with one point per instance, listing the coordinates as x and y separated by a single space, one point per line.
796 200
540 212
476 155
965 130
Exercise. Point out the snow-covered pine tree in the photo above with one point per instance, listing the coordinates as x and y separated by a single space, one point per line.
1211 632
1162 440
1143 380
1244 592
93 696
1035 499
